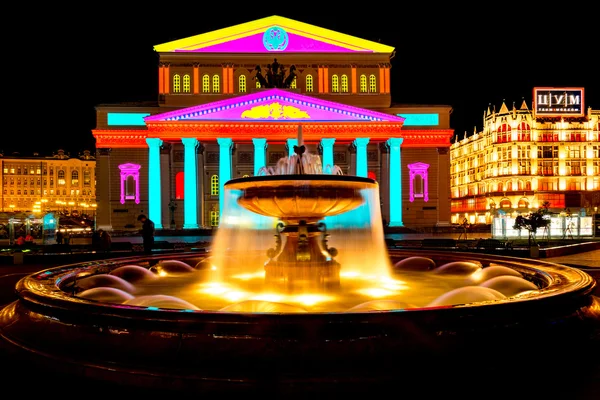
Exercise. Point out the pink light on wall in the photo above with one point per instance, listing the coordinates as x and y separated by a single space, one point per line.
130 176
419 170
254 44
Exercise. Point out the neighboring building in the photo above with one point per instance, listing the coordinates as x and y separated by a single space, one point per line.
238 99
36 184
525 157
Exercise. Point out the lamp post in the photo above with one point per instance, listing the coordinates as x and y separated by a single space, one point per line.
594 221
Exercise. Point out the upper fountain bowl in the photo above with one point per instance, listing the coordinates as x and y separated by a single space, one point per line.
301 197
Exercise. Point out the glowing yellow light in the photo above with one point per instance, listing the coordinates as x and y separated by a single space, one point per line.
349 274
247 277
268 297
213 267
375 292
235 296
162 273
310 299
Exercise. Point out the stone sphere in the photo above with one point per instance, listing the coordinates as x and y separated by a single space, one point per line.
133 273
509 285
457 268
490 272
106 295
466 295
105 280
415 263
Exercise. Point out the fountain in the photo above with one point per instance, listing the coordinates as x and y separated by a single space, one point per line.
297 289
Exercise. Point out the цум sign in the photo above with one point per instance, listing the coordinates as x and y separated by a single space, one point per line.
558 101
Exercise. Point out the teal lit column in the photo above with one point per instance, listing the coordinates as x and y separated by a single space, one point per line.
190 184
225 146
154 189
361 156
395 184
327 145
291 143
260 160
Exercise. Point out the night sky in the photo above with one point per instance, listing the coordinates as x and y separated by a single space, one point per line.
59 63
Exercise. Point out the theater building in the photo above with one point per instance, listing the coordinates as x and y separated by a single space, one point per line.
526 156
232 101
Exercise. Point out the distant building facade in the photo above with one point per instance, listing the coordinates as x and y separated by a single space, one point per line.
238 99
42 183
525 157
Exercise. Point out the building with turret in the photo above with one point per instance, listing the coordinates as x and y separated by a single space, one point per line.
528 156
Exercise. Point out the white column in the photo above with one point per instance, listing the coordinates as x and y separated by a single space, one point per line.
395 185
260 158
225 146
154 187
361 156
190 184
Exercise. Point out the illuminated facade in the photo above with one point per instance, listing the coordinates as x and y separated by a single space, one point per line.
525 157
38 184
238 99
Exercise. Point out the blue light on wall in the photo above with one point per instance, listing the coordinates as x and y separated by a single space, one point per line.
127 119
420 119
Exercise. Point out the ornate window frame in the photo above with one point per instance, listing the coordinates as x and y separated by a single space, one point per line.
127 170
422 170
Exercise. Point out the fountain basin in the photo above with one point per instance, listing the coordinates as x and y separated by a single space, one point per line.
185 349
300 197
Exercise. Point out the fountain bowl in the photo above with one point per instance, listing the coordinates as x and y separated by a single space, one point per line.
300 197
162 348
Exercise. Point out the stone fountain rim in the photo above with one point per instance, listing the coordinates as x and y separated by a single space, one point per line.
300 177
37 291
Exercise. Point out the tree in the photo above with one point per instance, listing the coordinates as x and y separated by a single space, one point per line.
533 221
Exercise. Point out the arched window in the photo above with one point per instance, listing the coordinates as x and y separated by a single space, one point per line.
214 218
500 187
87 180
74 178
344 83
186 84
242 84
504 133
418 176
523 203
363 84
335 84
309 83
61 177
179 186
176 83
216 84
372 83
528 185
214 185
130 182
205 83
505 203
524 134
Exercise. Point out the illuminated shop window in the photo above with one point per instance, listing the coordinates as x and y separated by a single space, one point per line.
309 83
363 84
179 186
524 134
12 170
344 83
61 177
504 133
5 170
176 83
505 203
74 178
372 83
294 83
335 83
186 83
214 218
216 84
419 177
205 83
130 182
242 84
214 185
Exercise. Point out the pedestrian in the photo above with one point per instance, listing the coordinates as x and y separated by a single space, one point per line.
147 233
105 241
97 239
59 236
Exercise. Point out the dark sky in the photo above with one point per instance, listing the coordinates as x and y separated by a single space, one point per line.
60 62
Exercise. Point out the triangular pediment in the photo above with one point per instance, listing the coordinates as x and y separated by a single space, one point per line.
273 34
274 105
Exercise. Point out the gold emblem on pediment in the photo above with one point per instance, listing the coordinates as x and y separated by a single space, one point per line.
275 111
